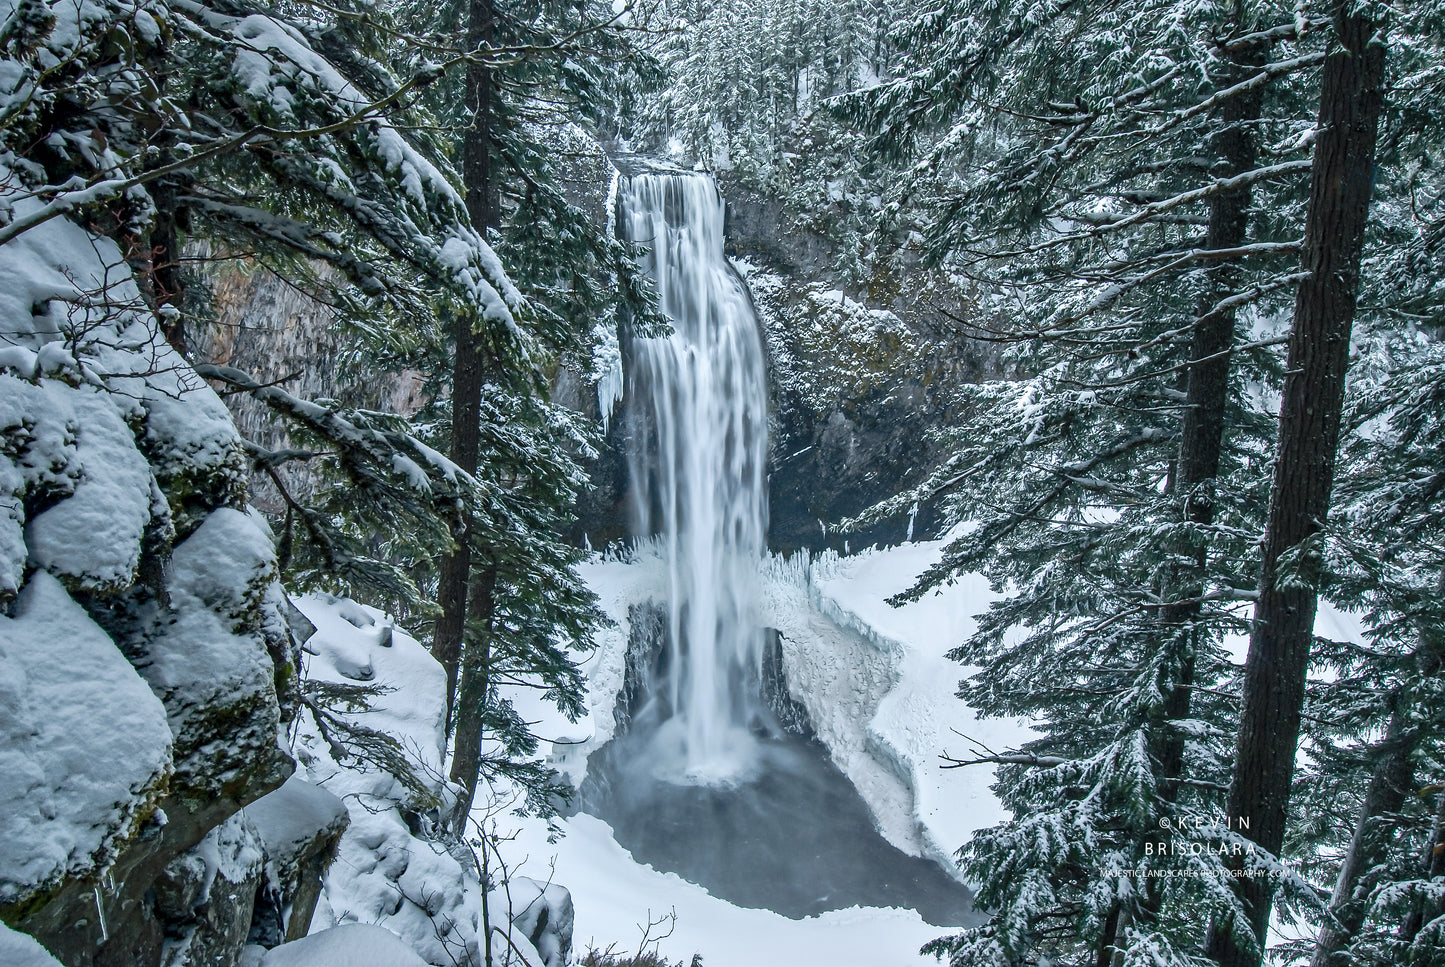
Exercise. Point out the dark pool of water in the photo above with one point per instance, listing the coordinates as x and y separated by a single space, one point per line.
796 838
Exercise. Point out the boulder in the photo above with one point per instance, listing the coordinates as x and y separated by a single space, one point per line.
207 896
541 912
300 826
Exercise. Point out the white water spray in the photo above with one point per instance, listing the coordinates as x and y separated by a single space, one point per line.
699 479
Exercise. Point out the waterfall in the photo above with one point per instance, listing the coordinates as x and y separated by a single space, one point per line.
698 477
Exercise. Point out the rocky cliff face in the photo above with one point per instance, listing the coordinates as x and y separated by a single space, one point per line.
857 378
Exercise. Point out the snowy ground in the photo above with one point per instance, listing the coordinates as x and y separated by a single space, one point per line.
880 693
878 689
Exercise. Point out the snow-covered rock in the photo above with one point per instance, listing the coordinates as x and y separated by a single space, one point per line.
393 869
349 945
300 826
209 895
19 950
142 631
84 745
544 915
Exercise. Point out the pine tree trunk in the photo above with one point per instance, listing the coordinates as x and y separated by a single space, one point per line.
165 266
1201 446
1389 784
1351 96
1201 442
469 365
476 673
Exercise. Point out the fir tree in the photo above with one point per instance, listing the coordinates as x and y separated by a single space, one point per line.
1117 182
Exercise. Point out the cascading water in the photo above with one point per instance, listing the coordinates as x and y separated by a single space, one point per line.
699 478
704 781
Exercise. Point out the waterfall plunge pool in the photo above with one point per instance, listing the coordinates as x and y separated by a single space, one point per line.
792 835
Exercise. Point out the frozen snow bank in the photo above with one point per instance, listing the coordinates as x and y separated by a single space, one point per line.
383 874
618 584
921 718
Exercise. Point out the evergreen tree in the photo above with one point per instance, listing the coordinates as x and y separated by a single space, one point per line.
1119 183
511 602
1351 94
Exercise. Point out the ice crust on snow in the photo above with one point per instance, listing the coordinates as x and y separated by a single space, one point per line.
76 781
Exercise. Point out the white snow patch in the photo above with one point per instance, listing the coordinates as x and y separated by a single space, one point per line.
21 950
615 896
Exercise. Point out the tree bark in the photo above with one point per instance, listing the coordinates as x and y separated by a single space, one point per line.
472 696
1201 446
469 364
1201 442
1351 96
167 287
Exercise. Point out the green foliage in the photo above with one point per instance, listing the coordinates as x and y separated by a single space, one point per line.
1064 157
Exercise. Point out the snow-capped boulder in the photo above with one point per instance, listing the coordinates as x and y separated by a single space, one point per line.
300 825
78 785
210 665
542 912
19 950
208 895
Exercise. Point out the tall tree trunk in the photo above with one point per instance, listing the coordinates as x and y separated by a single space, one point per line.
167 287
1201 443
476 681
1201 446
469 365
1351 96
1389 785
